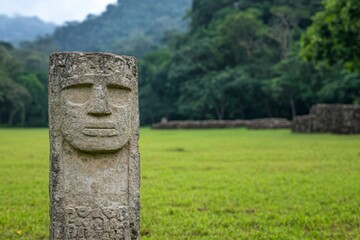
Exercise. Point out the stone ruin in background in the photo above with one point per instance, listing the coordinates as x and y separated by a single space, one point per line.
263 123
323 118
329 118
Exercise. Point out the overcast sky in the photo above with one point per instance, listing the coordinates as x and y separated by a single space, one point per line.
56 11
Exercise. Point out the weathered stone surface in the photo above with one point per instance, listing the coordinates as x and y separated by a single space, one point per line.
323 116
94 160
332 118
265 123
303 124
269 123
349 122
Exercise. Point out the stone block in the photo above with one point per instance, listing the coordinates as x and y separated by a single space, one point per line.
94 157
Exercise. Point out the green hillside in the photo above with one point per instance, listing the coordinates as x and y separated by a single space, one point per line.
17 29
144 21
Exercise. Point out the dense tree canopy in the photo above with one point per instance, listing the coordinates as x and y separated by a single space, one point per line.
335 34
233 62
23 93
238 58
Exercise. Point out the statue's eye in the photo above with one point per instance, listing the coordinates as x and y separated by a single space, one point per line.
78 94
119 95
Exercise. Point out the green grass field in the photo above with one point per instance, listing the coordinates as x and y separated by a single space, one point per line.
207 184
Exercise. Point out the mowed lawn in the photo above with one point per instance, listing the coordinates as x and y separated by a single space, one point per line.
207 184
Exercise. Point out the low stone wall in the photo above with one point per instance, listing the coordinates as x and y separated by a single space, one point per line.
266 123
200 124
303 124
332 118
349 120
324 116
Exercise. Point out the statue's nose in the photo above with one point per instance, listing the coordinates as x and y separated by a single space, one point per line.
99 105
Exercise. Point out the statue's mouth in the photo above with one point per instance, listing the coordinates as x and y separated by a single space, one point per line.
100 130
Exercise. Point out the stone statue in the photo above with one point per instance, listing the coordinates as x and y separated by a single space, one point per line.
94 129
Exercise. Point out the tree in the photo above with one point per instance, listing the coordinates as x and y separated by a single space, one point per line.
157 95
135 45
294 82
23 92
124 18
334 35
227 94
341 87
13 100
241 36
203 12
37 108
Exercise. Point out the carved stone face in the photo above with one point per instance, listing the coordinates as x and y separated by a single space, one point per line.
96 112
